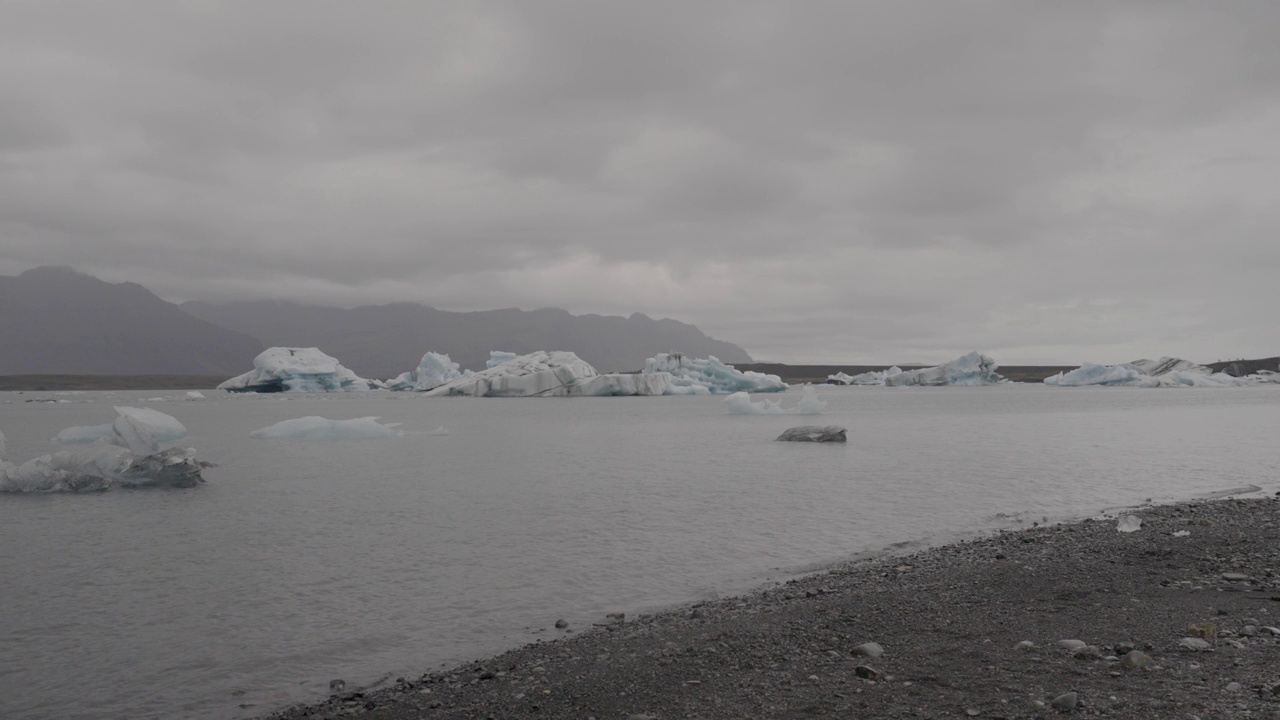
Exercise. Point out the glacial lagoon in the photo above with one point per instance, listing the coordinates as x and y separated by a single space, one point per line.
302 561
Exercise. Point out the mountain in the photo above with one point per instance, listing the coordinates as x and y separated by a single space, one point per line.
382 341
54 320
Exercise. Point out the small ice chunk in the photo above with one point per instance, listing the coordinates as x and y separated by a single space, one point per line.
740 403
314 427
1129 523
163 427
442 430
194 395
85 433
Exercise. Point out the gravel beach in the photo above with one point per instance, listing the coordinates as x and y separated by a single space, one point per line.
1177 619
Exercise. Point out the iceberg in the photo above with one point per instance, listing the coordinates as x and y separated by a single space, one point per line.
968 370
875 377
814 433
546 374
618 384
709 376
1165 372
285 369
85 433
132 457
314 427
433 371
740 404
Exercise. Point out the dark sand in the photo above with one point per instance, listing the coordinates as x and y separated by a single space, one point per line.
948 619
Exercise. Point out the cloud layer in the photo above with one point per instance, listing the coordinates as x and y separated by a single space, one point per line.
855 182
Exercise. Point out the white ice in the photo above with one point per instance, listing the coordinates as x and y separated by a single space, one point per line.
740 403
709 376
874 377
1165 372
314 427
433 371
194 395
132 456
972 369
85 433
285 369
544 374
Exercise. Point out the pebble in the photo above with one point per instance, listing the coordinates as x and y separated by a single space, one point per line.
1123 648
1072 645
867 672
1271 630
1024 645
1194 643
1066 702
870 649
1234 576
1088 652
337 686
562 624
1233 687
1136 659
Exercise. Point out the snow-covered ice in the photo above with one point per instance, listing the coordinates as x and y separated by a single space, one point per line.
709 376
740 403
132 457
546 374
285 369
433 371
1165 372
314 427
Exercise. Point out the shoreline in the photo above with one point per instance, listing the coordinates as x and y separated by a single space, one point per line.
948 618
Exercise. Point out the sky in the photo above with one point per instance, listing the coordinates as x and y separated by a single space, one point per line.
852 182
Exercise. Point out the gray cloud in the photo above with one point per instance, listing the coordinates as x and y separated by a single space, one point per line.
879 181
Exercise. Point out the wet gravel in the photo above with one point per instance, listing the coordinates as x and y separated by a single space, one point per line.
1178 619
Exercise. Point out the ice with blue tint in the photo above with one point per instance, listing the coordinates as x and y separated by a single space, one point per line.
709 376
538 374
740 403
1165 372
874 377
969 370
132 457
85 433
497 357
314 427
433 371
286 369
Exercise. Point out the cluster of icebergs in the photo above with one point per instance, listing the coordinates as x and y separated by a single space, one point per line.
1165 372
538 374
972 369
131 454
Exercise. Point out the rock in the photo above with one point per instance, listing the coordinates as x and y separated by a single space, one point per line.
1024 645
871 650
1234 576
1088 652
867 672
1249 630
814 433
1066 702
1233 687
1072 645
337 686
1136 660
1191 643
1124 648
617 617
562 624
1271 630
1129 523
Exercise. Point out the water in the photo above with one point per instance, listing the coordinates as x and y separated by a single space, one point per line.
299 562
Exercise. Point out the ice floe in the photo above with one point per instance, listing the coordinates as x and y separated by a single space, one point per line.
286 369
433 371
1165 372
314 427
874 377
972 369
709 376
132 457
740 403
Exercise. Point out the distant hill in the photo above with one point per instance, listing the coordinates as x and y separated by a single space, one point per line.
381 341
55 320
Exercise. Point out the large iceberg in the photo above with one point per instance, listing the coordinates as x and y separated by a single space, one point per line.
433 371
740 403
314 427
133 457
1165 372
285 369
709 376
874 377
546 374
972 369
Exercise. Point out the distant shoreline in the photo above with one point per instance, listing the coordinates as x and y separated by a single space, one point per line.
62 383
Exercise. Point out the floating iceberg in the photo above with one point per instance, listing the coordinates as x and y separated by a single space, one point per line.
433 371
546 374
133 457
314 427
283 369
618 384
497 357
814 433
709 376
740 404
85 434
1165 372
972 369
875 377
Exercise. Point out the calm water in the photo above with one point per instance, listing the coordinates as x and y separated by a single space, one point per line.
299 562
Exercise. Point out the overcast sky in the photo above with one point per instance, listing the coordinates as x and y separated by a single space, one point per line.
845 181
